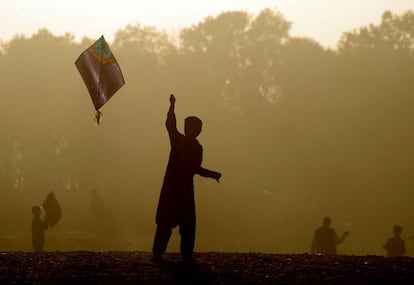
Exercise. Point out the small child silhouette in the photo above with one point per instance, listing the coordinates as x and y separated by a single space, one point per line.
395 246
38 229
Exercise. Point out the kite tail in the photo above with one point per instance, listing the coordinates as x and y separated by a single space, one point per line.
98 117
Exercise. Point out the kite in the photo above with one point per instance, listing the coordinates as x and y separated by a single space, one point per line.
52 209
101 73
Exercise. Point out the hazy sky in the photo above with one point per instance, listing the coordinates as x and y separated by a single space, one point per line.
323 20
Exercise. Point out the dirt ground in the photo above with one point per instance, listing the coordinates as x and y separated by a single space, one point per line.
83 267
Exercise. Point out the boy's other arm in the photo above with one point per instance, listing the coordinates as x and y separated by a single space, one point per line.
342 238
209 173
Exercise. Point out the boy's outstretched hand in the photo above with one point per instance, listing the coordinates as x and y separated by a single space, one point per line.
217 176
172 99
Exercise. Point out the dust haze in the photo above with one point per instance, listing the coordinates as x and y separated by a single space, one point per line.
299 132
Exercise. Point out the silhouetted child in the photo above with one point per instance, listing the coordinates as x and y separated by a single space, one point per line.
395 246
326 239
38 229
176 205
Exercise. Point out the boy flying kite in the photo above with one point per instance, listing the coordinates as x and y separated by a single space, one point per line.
176 205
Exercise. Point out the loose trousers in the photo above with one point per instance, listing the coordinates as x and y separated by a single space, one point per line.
163 234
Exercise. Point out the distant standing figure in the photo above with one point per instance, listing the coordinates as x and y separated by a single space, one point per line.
395 246
176 205
38 229
326 239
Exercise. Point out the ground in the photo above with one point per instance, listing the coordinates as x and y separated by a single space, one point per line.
82 267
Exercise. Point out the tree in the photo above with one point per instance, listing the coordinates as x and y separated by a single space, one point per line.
394 34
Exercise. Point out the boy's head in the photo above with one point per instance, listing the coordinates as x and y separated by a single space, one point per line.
36 211
326 221
397 230
192 127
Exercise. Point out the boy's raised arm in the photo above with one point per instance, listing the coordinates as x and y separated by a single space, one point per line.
172 103
171 122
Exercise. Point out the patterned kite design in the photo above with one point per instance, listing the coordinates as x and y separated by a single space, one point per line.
100 72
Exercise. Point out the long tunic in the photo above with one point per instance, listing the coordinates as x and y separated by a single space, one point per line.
176 203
